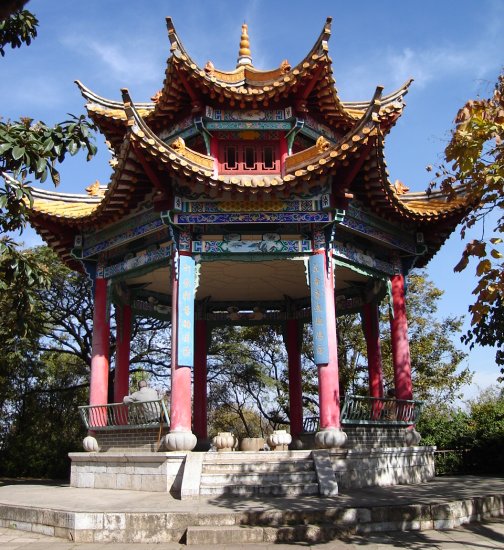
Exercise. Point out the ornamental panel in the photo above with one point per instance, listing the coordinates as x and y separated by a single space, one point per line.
137 262
255 217
252 247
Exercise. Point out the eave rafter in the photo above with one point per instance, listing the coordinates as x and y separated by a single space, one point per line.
433 214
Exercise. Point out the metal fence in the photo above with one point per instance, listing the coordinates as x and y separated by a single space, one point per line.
378 411
118 415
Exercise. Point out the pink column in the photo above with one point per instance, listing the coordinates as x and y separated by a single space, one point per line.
200 379
100 347
295 382
180 416
372 335
123 340
329 397
400 343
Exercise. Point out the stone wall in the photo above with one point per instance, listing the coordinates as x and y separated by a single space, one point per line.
131 439
357 468
160 472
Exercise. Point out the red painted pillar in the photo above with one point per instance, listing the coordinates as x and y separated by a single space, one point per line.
98 390
400 344
200 379
180 415
295 382
372 335
123 340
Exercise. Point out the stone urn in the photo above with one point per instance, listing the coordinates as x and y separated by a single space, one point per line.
90 444
224 442
412 437
279 440
253 444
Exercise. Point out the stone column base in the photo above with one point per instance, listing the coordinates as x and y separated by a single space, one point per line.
180 441
330 438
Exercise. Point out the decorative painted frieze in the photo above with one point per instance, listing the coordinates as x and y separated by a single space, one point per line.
395 240
249 125
305 205
185 129
184 241
255 115
252 247
370 225
137 226
143 306
361 258
253 217
315 129
137 262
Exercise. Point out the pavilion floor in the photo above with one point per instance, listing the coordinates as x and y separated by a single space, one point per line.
104 515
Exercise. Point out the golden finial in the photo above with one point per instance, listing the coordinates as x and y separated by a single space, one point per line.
244 55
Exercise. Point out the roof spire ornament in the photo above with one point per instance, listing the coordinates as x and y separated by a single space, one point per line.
244 56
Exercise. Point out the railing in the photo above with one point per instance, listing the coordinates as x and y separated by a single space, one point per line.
114 416
380 411
310 424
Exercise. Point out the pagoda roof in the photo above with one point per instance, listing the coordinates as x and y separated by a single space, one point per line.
309 85
145 165
434 213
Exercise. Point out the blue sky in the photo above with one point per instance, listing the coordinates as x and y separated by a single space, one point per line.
454 51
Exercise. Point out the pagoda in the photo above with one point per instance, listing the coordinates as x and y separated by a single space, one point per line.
247 196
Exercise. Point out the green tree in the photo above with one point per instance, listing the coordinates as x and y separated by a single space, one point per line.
248 365
435 359
487 432
17 26
45 365
475 168
28 149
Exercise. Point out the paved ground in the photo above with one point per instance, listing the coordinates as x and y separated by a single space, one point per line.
485 536
62 497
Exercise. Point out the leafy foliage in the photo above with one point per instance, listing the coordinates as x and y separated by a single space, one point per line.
248 365
17 29
31 149
45 365
469 441
28 147
487 431
476 162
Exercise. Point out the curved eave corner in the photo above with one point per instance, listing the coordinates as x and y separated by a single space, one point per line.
392 107
109 114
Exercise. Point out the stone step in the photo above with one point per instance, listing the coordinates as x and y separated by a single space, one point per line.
233 534
232 467
254 478
260 456
286 489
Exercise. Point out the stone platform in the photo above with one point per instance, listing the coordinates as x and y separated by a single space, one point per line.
105 515
280 473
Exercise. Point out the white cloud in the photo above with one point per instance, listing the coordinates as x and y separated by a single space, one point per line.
140 60
439 62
